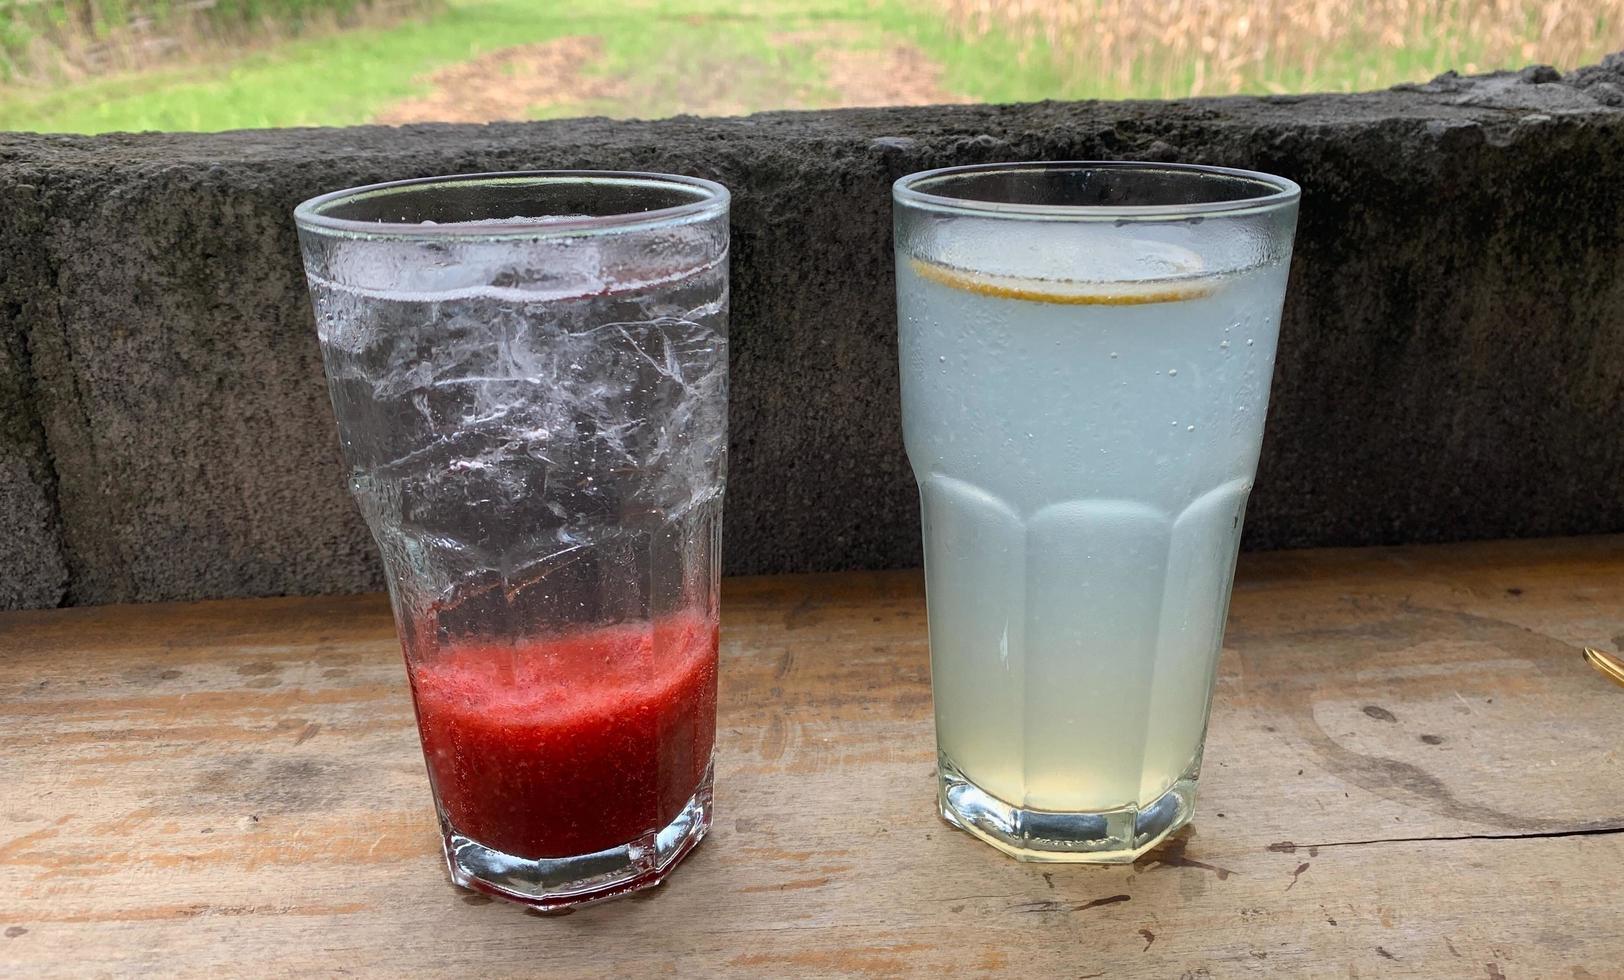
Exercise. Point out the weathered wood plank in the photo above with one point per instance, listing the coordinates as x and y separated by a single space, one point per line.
1411 772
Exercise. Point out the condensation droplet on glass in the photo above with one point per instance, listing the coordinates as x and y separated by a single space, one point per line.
1113 355
1223 345
1190 429
1172 372
942 358
1249 341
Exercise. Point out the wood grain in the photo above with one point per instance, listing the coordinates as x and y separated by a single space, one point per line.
1411 772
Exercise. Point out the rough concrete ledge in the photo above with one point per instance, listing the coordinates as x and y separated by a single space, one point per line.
32 568
1452 364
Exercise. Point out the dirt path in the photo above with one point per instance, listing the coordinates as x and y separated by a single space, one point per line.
517 82
894 73
507 84
897 75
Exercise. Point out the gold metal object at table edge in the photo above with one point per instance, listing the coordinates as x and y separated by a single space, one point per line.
1610 665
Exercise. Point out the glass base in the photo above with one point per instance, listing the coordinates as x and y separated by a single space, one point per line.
1092 837
566 882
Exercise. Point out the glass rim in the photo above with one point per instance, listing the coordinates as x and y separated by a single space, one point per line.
1281 191
711 198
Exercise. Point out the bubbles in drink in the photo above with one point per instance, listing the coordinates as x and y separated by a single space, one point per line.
1078 576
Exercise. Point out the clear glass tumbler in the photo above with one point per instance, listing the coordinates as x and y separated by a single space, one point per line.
530 377
1086 351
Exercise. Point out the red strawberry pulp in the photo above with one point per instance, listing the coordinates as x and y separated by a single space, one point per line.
570 744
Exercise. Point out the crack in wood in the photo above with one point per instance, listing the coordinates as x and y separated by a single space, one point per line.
1066 907
1290 847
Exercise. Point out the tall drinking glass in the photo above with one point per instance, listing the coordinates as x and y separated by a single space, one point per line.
530 377
1086 354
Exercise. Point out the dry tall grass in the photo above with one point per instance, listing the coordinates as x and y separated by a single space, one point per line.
1175 48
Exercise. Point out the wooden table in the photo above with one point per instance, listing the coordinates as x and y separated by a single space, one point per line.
1410 773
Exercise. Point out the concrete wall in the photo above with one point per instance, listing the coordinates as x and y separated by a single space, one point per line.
1452 364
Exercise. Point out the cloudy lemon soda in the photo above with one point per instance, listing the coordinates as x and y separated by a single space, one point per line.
1083 408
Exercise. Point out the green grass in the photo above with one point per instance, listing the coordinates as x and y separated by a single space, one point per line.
333 80
658 47
666 56
662 55
990 69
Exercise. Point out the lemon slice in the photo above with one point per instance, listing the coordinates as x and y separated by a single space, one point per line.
1065 292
